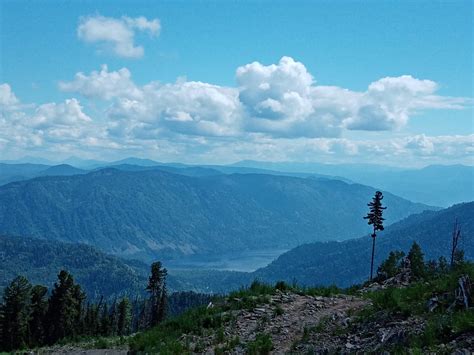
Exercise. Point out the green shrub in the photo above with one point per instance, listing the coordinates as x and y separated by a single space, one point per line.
262 345
278 311
390 266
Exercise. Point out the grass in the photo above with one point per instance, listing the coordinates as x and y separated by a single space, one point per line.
164 338
412 300
442 325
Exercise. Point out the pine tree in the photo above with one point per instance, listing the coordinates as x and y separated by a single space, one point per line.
39 307
163 299
64 308
375 219
124 317
442 265
105 322
155 288
417 264
114 318
15 314
391 266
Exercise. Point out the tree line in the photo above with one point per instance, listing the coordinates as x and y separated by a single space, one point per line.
30 316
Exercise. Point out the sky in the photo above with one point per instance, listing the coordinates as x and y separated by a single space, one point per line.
384 82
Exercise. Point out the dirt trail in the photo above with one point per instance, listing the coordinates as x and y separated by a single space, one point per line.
298 312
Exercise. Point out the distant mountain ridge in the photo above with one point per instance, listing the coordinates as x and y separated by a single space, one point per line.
438 185
152 213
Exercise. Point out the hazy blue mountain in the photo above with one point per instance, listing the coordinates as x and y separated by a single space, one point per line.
61 170
149 214
29 160
439 185
348 262
18 172
82 163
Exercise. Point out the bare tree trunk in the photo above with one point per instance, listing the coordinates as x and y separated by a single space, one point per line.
373 253
455 240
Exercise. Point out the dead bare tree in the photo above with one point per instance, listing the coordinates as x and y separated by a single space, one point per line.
455 238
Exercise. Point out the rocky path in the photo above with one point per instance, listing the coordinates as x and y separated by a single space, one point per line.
285 319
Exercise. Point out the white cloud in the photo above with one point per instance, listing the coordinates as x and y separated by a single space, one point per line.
275 112
279 100
69 113
116 35
8 100
389 102
103 84
192 108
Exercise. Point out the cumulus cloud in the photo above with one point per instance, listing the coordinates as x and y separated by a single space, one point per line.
69 113
192 108
279 100
103 84
274 112
116 35
8 100
389 102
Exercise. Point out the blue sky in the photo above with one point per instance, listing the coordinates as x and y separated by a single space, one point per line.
424 116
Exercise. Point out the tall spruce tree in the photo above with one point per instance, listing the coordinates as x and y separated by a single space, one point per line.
155 288
124 320
15 314
163 299
105 322
375 219
64 309
39 307
417 263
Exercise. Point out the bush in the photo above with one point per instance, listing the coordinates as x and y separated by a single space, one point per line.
262 345
278 311
391 266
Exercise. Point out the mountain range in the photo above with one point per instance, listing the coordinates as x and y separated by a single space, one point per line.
323 263
152 213
437 185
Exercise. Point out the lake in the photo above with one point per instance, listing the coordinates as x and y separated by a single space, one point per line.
240 261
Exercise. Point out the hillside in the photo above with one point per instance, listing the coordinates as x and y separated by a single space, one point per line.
283 319
41 260
348 262
155 214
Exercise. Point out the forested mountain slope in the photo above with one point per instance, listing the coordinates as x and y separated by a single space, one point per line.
155 214
41 260
348 262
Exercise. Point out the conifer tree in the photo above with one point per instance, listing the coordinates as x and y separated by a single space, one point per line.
15 314
417 264
39 307
155 288
113 318
374 217
105 322
64 308
124 317
163 299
